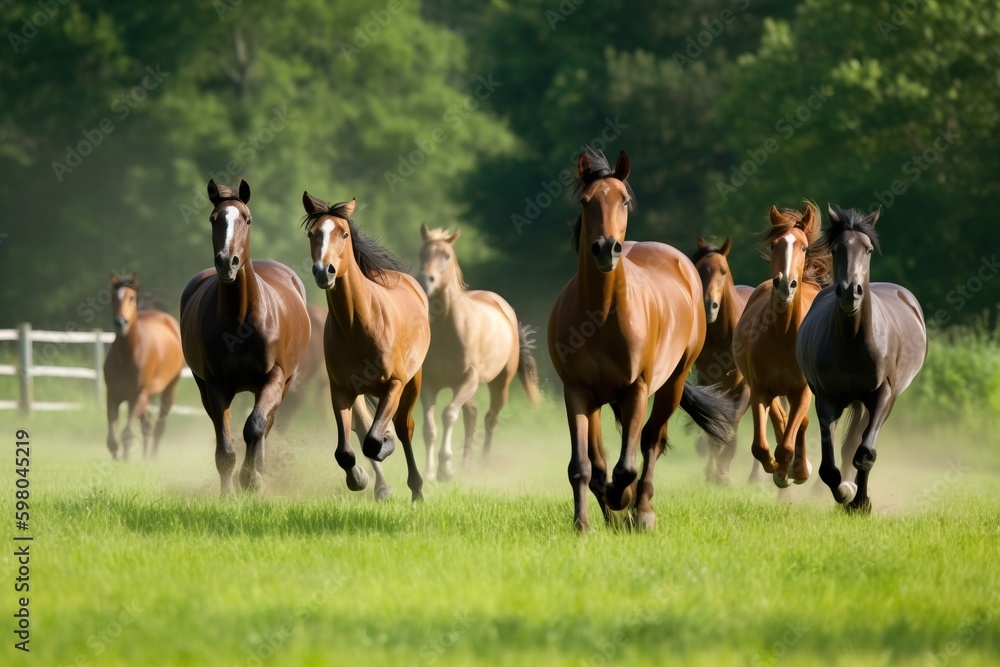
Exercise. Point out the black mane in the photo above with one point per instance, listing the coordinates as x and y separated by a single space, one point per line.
850 220
599 169
372 257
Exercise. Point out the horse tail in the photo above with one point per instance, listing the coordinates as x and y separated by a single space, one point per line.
712 409
527 367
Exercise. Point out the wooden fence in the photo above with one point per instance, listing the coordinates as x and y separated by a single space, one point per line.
26 370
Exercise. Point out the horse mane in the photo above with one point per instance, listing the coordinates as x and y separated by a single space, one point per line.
444 234
850 220
819 260
704 251
373 258
599 169
145 298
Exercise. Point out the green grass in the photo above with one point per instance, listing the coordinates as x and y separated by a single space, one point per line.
142 564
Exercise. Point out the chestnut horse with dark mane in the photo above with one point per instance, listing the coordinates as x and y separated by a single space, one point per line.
144 360
630 323
475 339
245 327
377 335
860 346
764 340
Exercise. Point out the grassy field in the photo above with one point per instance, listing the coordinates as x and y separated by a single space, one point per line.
141 563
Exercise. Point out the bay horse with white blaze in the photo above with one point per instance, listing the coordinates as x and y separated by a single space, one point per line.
144 360
245 328
475 339
764 340
860 346
630 323
376 338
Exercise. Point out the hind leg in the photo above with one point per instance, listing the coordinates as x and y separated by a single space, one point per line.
469 415
499 389
360 423
463 393
427 398
146 424
166 403
217 399
728 450
403 421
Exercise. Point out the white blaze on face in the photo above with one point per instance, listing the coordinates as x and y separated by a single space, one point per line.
789 247
327 229
232 215
121 293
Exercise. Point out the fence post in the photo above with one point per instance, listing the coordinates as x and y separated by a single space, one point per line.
98 366
24 368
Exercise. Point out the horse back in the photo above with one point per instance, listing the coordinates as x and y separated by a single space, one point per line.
903 317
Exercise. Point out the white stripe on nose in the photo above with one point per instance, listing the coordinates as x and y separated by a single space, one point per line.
327 229
232 214
789 246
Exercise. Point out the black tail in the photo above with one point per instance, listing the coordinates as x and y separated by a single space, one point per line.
712 409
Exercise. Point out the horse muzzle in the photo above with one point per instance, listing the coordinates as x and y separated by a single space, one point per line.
121 325
428 283
784 289
849 297
606 251
324 274
711 310
227 267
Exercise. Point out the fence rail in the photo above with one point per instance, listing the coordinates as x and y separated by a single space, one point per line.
26 371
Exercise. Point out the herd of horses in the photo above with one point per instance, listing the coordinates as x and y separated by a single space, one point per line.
630 324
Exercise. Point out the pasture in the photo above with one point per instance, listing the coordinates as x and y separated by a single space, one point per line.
143 563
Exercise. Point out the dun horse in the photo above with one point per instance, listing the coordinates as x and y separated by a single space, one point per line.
764 340
861 345
475 339
630 323
377 335
724 303
245 327
144 360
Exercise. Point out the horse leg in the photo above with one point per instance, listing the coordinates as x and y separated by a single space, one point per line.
654 440
427 399
361 422
146 424
852 441
759 448
579 469
633 411
879 405
463 393
136 407
217 400
469 414
379 442
343 405
256 427
114 406
166 402
728 450
403 421
598 466
499 391
798 407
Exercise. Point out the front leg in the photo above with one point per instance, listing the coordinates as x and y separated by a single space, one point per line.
217 399
361 422
579 417
879 406
379 443
257 425
759 448
798 407
829 412
633 411
403 422
114 407
136 407
343 403
463 393
428 397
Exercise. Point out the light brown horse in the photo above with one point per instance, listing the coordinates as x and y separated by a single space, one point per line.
145 359
764 340
724 303
245 328
475 339
377 335
630 323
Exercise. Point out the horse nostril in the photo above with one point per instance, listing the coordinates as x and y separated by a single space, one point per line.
431 279
595 248
776 281
715 304
840 290
236 261
330 269
793 284
860 290
617 248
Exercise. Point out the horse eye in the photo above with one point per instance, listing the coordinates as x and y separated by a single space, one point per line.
869 251
723 272
344 235
626 203
447 255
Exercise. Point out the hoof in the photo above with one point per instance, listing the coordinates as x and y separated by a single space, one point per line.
383 493
252 482
445 472
864 459
416 496
802 476
379 450
357 479
846 492
864 507
582 525
646 521
781 480
619 492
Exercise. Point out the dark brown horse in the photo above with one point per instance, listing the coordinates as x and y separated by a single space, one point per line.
861 344
377 335
144 360
630 323
245 327
724 303
764 340
475 339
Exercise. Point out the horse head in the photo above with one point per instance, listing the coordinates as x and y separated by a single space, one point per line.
713 268
851 239
124 301
230 220
438 265
606 199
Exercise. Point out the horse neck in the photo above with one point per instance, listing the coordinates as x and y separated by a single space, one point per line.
598 290
350 299
240 300
129 341
790 316
450 299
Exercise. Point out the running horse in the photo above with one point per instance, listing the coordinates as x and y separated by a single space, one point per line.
629 323
475 339
376 338
245 328
860 346
144 360
764 340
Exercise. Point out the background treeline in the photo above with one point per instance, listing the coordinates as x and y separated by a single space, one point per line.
113 115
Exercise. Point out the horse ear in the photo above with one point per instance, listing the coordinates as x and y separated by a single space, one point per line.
132 280
583 164
312 204
727 246
349 206
454 237
701 242
114 280
244 191
425 233
832 212
873 217
622 166
809 218
213 192
776 218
